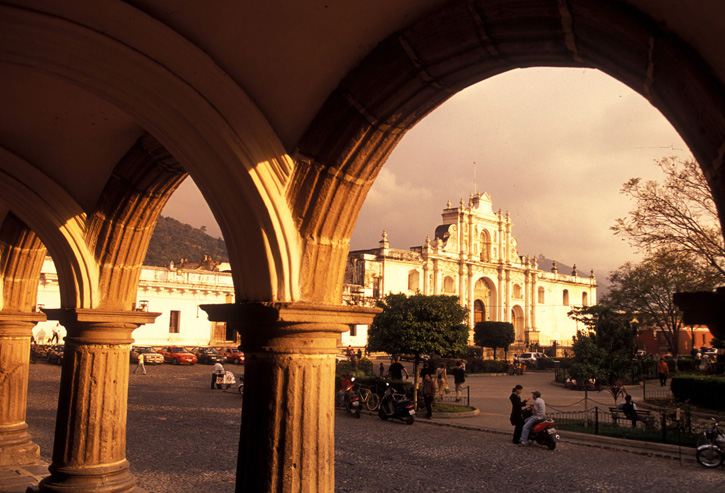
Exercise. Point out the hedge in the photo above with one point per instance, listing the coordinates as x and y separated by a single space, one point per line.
700 390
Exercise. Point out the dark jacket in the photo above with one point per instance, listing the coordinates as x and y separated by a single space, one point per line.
516 406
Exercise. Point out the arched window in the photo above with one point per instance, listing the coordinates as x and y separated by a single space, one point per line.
542 296
585 299
517 291
413 280
566 297
485 239
449 286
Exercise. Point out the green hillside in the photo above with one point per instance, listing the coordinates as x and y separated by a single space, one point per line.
173 240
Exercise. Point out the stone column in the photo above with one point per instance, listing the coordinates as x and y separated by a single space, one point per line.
16 445
287 439
89 449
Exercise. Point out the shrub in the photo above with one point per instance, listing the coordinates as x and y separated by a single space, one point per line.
687 363
364 367
701 390
479 365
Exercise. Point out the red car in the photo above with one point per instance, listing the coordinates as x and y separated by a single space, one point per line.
232 355
177 355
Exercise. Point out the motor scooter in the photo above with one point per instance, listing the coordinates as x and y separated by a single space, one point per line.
394 405
544 433
352 399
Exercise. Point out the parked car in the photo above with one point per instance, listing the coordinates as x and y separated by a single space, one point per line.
708 351
150 355
55 354
530 359
208 355
233 355
177 355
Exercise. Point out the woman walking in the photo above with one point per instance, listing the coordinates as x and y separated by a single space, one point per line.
517 405
442 380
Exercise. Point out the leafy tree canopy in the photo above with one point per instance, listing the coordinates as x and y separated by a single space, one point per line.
604 350
494 335
419 324
644 291
678 214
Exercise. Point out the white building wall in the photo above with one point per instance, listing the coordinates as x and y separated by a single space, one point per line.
160 290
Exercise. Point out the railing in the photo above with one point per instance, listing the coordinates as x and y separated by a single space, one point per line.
450 398
661 427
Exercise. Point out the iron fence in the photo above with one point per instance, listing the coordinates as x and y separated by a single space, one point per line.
664 426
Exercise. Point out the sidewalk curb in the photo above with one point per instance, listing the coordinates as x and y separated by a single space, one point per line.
648 449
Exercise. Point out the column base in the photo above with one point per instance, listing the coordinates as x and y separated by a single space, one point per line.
17 447
114 478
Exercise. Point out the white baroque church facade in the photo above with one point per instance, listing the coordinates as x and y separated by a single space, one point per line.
474 256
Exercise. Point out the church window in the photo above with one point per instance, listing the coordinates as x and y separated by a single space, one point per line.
542 296
585 299
517 291
566 297
449 285
485 246
413 280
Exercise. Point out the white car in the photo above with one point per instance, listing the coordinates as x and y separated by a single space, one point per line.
531 358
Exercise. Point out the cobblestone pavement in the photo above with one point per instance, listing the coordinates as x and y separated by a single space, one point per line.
183 437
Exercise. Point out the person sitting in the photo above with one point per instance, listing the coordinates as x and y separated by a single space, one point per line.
538 406
629 409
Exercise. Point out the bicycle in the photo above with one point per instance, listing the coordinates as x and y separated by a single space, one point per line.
711 446
370 398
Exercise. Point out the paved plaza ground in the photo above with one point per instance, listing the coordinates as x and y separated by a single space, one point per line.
183 437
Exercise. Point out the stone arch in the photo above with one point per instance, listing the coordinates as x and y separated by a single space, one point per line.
484 291
58 221
517 319
415 70
193 109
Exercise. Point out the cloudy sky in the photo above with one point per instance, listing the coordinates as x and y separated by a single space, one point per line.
552 146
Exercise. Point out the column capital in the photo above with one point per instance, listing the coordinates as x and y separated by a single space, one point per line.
19 324
263 322
91 326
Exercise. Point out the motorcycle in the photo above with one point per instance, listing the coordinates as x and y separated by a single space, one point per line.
352 399
241 384
394 405
544 433
710 454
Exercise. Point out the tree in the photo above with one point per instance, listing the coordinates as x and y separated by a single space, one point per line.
644 291
494 335
678 214
604 350
419 324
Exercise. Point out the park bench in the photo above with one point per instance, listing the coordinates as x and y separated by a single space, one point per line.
643 416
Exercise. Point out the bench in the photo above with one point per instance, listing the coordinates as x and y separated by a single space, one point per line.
643 416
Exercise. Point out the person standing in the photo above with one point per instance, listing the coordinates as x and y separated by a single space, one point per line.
517 405
428 393
662 371
459 378
381 370
442 380
396 369
218 371
55 337
140 364
539 414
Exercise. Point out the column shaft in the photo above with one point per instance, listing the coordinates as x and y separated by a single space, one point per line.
16 445
287 439
89 450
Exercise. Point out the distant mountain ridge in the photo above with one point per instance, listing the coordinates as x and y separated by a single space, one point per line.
173 240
